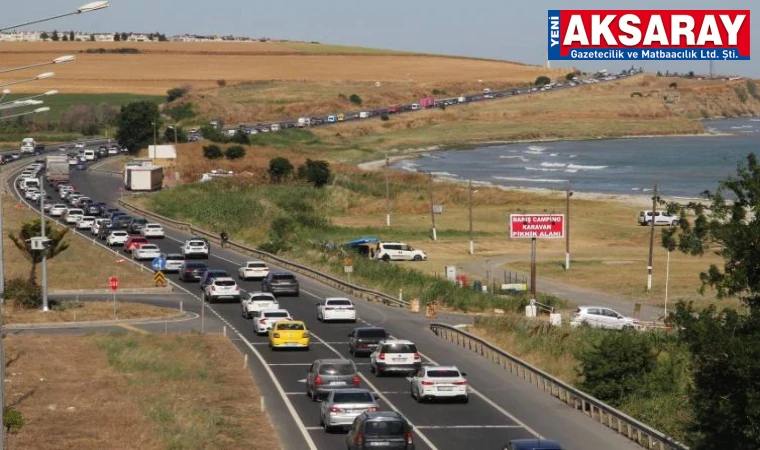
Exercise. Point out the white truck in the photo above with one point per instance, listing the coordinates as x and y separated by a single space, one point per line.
304 122
27 145
143 178
57 169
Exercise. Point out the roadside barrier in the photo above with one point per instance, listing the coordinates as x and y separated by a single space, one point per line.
596 409
352 289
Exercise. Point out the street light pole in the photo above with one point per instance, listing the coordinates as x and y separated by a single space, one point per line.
387 193
469 195
432 209
651 240
569 194
94 6
43 233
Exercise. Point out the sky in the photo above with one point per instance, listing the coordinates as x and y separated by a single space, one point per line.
495 29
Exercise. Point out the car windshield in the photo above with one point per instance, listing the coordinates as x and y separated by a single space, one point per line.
443 373
384 427
399 348
352 397
337 369
290 326
371 333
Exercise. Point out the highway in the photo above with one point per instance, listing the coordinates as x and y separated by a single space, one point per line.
501 406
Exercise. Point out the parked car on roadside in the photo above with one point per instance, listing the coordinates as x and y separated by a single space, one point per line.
601 317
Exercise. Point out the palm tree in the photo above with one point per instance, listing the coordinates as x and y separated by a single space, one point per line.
32 229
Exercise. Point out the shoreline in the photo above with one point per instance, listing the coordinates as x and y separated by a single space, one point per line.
642 200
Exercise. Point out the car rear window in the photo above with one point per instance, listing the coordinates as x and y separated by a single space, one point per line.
175 257
196 266
286 277
384 427
339 302
257 265
281 314
337 369
224 283
377 333
290 326
262 298
399 348
442 373
196 243
216 273
352 397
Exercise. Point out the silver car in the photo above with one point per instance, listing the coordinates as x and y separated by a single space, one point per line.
340 408
326 375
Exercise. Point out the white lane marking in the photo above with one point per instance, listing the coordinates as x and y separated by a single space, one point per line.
384 392
308 364
383 397
313 343
291 409
465 427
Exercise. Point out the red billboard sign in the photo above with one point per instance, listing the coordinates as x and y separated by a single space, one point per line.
540 226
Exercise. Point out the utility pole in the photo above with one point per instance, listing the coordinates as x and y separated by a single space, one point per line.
533 276
651 240
387 193
472 245
432 208
569 194
43 233
2 312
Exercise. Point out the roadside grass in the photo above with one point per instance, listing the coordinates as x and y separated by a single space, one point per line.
61 102
609 249
558 350
77 311
84 265
125 391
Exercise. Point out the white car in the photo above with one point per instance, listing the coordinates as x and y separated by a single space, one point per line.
336 308
398 251
257 302
146 251
394 356
95 229
31 192
660 218
73 216
152 230
264 320
195 248
174 261
601 317
58 210
221 288
79 145
436 382
86 222
117 238
253 270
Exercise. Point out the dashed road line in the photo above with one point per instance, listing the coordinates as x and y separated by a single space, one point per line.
308 364
131 328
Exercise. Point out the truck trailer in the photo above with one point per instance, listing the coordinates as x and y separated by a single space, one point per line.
57 169
143 178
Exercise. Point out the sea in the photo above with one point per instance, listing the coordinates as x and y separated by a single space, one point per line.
682 167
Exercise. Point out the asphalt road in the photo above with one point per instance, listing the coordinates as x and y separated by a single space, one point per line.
501 406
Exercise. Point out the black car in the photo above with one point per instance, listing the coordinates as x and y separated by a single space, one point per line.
136 225
364 340
93 209
192 271
284 283
209 275
102 151
386 429
532 444
121 222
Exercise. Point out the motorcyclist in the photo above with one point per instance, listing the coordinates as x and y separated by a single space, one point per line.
223 237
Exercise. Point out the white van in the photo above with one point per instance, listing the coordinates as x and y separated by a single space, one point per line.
660 218
398 251
363 115
89 155
29 183
27 145
275 127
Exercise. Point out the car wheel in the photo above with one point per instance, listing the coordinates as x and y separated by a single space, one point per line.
386 258
313 396
327 428
628 328
417 258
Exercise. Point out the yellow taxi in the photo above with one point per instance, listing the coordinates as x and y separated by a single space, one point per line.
289 334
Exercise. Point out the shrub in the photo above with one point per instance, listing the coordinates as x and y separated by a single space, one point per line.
570 76
280 169
180 112
438 92
221 82
240 137
741 93
636 94
211 133
542 80
673 85
752 89
234 152
13 420
23 292
355 99
212 152
384 117
175 93
316 172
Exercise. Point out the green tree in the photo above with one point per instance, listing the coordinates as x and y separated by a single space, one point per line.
316 172
240 137
136 125
92 37
72 38
169 136
542 80
212 152
570 76
234 152
32 229
355 99
13 420
65 38
44 36
213 134
116 37
124 36
55 36
615 367
175 93
280 169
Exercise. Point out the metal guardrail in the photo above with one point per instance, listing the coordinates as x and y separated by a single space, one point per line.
352 289
618 421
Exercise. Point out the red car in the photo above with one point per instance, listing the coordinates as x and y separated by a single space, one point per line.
133 242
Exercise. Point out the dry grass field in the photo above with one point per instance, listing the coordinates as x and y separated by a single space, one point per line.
127 391
162 66
82 266
86 311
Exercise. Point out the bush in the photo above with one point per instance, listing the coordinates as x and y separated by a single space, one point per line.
384 117
181 112
240 137
13 420
221 82
23 293
316 172
636 94
570 76
234 152
438 92
741 93
213 134
673 85
355 99
280 169
752 89
212 152
542 80
175 93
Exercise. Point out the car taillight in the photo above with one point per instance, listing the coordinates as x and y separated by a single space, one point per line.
373 409
460 383
417 356
318 380
361 346
305 335
213 288
263 321
408 437
427 383
276 335
335 410
357 381
349 307
359 438
381 356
